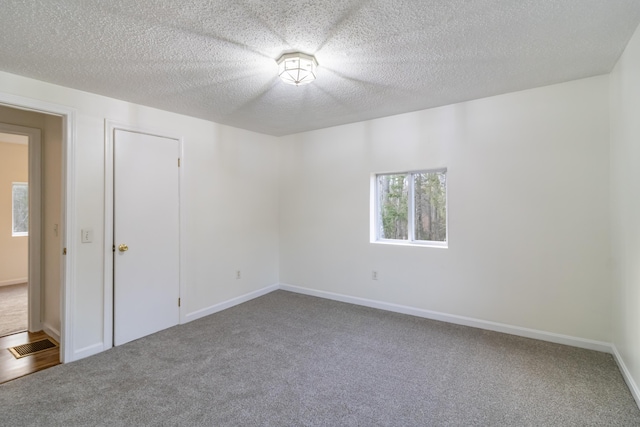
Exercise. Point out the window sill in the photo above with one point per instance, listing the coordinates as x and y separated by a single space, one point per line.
438 245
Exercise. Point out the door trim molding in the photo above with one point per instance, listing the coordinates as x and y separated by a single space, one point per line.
110 126
35 222
68 214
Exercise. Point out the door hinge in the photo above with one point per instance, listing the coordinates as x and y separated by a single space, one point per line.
178 302
64 251
178 162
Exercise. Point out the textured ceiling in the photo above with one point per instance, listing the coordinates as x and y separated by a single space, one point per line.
216 59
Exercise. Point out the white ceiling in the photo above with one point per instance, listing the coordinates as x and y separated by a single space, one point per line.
216 59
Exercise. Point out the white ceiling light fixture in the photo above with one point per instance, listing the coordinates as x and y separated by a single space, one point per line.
297 68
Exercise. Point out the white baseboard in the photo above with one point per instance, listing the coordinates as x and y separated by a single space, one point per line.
87 351
635 391
458 320
51 331
229 303
14 281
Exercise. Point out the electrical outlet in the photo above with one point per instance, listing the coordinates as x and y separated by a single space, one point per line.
238 275
374 275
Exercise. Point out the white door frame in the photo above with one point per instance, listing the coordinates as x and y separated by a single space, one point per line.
35 222
110 128
68 214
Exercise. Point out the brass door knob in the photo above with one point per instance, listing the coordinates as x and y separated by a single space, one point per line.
123 248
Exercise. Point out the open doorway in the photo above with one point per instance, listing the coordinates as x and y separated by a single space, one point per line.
31 219
14 234
61 118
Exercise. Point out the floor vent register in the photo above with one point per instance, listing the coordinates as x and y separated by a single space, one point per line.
25 350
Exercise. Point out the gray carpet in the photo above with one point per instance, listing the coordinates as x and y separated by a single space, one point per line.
293 360
13 309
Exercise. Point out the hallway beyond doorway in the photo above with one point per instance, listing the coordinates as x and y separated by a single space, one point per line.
13 309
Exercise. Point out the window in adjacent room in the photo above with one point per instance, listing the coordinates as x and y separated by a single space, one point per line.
20 209
411 208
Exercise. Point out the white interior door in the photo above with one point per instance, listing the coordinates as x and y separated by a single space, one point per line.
146 235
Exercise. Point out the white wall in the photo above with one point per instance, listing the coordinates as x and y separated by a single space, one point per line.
14 250
529 230
52 211
625 208
528 182
231 202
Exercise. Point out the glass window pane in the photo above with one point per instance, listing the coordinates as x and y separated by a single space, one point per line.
20 208
393 197
430 205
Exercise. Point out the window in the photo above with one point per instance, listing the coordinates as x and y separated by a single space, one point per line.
411 208
20 209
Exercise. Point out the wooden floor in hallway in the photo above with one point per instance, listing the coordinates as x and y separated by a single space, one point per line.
12 368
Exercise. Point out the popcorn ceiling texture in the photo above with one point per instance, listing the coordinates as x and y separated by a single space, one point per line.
216 59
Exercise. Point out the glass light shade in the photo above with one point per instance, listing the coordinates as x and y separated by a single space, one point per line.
297 68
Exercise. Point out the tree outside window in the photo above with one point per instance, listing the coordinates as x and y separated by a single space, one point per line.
20 208
412 207
430 206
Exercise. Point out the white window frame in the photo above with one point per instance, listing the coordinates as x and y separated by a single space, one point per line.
411 241
15 233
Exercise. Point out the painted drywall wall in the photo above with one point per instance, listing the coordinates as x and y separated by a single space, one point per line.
230 200
52 227
528 181
51 131
528 245
625 207
14 250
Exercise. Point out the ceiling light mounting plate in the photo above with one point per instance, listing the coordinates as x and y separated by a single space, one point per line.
297 68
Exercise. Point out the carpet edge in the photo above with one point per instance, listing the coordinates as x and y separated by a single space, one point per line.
585 343
229 303
628 378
